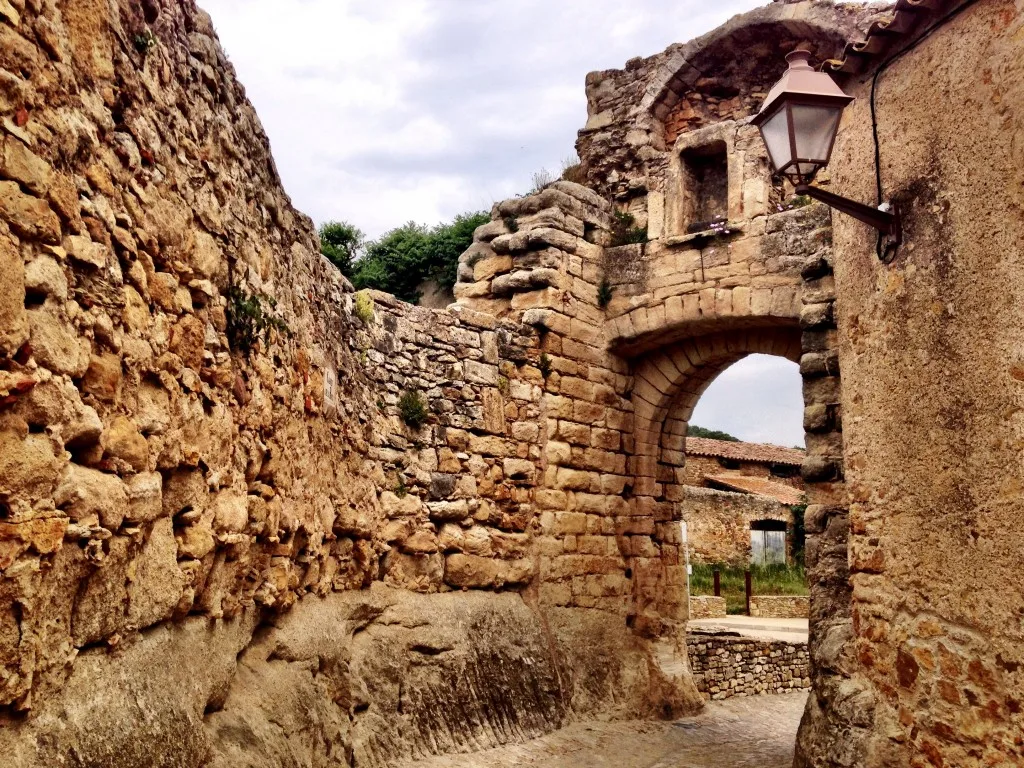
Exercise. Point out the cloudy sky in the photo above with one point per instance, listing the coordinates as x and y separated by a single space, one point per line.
385 111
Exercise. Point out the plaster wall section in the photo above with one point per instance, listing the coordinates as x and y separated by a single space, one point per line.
932 396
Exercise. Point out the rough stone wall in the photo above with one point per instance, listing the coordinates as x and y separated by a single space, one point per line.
698 467
726 665
779 606
183 495
457 491
636 114
718 523
707 607
932 396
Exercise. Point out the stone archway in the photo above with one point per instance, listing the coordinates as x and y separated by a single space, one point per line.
668 382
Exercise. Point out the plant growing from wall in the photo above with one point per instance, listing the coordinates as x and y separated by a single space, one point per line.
413 409
144 42
362 307
511 223
572 170
625 231
544 365
250 319
604 293
797 201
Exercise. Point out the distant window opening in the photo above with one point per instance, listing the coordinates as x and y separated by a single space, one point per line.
729 464
784 470
706 181
768 542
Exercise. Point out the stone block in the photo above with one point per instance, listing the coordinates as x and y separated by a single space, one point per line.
89 495
29 217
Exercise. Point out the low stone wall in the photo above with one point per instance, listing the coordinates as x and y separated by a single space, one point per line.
726 665
780 606
707 607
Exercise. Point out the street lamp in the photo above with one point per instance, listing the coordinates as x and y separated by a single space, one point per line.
799 122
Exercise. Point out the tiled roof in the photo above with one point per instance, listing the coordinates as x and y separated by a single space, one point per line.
784 494
758 452
902 21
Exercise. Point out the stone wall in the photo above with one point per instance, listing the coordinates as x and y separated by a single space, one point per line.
718 523
932 396
699 467
209 496
707 607
780 606
726 665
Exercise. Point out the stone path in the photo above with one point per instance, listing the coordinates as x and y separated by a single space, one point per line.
790 630
750 732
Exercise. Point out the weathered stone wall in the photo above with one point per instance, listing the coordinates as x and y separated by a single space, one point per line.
932 396
718 523
779 606
199 515
707 607
726 665
699 467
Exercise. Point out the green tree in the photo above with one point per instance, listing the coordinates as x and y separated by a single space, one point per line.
403 258
713 434
342 243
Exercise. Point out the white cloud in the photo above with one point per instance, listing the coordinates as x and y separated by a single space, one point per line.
381 112
759 399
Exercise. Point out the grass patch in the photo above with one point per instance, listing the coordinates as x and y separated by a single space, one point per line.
767 580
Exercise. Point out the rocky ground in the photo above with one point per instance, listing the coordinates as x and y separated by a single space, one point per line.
756 731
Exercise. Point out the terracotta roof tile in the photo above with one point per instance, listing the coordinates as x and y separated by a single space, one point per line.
784 494
904 19
758 452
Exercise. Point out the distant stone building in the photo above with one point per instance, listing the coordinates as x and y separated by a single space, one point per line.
739 500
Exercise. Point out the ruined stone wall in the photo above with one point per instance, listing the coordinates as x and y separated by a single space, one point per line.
930 349
718 523
726 665
698 467
210 503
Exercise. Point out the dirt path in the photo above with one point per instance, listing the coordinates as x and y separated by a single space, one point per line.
753 732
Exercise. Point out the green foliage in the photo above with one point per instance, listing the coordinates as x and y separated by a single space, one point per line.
544 365
713 434
504 386
512 224
401 489
404 257
342 243
413 409
362 307
766 580
250 319
625 231
604 293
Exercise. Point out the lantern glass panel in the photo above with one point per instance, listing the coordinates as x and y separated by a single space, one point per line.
815 127
775 131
